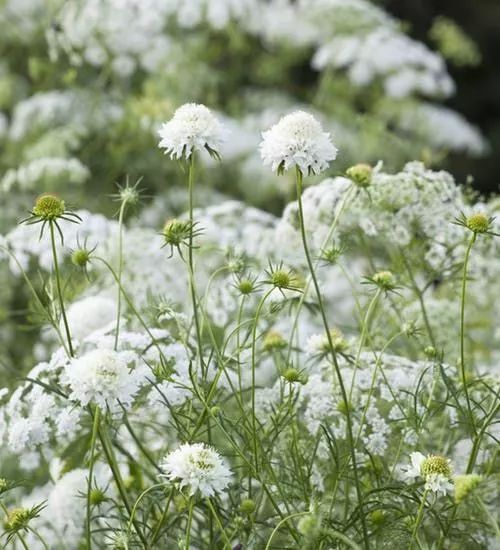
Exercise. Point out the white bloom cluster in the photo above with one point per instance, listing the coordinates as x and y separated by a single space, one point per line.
192 128
103 377
435 470
298 140
198 468
42 171
90 314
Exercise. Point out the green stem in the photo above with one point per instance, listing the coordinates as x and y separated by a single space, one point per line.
192 288
120 270
189 522
462 332
227 542
418 521
59 288
489 515
95 429
338 373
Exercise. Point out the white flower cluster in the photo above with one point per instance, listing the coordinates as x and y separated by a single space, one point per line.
192 128
297 140
198 468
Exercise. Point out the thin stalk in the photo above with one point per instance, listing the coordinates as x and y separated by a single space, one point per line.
59 288
120 270
227 542
350 437
462 332
418 521
95 430
192 288
189 522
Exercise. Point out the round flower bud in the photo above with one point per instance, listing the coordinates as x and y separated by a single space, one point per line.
97 496
247 506
214 411
384 280
48 207
281 278
80 257
309 526
292 375
129 194
478 223
430 352
377 517
246 286
435 464
176 231
360 174
464 485
17 519
273 340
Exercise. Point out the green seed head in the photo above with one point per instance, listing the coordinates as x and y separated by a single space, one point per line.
292 375
361 174
281 278
273 340
384 279
339 343
464 485
377 517
176 231
80 257
97 496
246 286
247 507
435 464
17 519
478 223
309 526
48 207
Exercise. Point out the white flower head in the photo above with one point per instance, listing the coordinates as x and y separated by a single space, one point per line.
192 128
298 140
435 470
197 467
102 377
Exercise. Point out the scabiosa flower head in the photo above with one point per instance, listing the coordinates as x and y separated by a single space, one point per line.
478 223
297 140
319 344
273 340
192 128
48 207
197 467
102 377
436 471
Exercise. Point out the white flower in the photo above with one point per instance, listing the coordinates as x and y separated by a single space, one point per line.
102 376
297 140
192 128
89 315
435 470
197 467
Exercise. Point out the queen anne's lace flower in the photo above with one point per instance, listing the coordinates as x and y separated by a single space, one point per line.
192 128
102 377
297 140
197 467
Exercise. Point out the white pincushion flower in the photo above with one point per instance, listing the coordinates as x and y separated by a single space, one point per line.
90 314
102 377
297 140
192 128
197 467
436 471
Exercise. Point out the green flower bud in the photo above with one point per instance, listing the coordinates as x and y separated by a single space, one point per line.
246 286
48 207
247 506
273 340
464 485
97 496
309 526
478 223
361 174
80 257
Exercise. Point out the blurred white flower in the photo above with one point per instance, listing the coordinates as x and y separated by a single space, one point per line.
103 377
197 467
297 140
192 128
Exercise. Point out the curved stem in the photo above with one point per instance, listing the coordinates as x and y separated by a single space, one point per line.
277 528
59 288
336 365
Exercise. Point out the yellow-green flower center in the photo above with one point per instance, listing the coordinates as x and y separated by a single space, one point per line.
48 207
435 464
